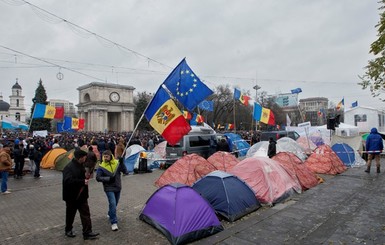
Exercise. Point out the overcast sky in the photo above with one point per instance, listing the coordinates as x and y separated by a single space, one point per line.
320 46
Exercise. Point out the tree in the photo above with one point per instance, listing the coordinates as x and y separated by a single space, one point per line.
374 77
141 101
41 98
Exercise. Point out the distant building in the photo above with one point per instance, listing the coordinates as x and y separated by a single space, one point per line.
15 110
69 108
314 110
365 118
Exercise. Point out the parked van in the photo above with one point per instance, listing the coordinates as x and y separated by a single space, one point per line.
276 135
200 140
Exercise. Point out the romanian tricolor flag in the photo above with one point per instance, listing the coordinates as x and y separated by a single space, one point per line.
165 117
244 99
44 111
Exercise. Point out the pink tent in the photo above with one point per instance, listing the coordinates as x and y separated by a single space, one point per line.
296 168
223 161
270 182
185 170
325 161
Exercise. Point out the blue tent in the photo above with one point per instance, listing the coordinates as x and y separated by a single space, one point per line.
345 153
231 197
237 144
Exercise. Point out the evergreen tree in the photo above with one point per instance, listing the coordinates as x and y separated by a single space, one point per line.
374 77
41 98
141 102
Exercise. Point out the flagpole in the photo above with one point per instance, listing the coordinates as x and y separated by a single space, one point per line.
30 122
235 125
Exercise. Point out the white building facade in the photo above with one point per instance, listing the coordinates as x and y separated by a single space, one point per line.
365 118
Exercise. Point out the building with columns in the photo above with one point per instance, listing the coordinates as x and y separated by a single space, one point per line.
106 107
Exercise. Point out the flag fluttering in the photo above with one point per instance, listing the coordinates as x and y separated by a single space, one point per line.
340 104
44 111
355 104
288 120
165 117
59 112
197 119
187 115
186 87
244 99
207 105
263 114
296 91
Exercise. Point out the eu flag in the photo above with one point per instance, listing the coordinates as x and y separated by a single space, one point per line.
207 105
186 87
296 91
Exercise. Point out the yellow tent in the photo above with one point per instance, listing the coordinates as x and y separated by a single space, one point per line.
49 158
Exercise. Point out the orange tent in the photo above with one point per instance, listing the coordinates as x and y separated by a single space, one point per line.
186 170
223 161
325 161
49 158
295 167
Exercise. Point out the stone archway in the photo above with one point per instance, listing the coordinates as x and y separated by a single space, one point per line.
106 107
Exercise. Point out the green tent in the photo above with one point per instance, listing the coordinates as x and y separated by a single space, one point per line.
62 160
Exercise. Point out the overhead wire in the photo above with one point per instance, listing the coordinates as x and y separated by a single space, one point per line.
79 28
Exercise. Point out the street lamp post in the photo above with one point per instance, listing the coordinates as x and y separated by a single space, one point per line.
256 87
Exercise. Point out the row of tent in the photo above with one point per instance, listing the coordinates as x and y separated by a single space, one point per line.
231 188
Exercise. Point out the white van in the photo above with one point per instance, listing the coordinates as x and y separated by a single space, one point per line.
200 140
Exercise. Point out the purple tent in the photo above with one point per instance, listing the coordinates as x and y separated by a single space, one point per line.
181 214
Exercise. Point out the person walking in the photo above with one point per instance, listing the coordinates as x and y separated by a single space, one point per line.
109 173
374 147
5 166
75 194
38 156
272 149
19 154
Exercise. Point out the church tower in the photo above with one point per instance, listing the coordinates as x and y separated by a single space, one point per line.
17 109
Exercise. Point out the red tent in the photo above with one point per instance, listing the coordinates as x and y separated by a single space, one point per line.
223 161
325 161
296 168
270 182
186 170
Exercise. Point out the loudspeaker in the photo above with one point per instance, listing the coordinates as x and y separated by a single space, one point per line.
331 123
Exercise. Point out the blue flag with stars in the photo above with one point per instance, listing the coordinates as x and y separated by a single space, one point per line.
186 87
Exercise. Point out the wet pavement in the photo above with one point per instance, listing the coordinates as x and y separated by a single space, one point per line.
346 209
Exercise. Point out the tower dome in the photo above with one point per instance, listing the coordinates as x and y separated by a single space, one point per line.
4 106
16 86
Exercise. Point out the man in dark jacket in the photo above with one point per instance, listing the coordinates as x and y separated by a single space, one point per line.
374 147
75 194
272 149
109 172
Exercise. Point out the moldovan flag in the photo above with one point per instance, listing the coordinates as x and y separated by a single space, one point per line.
340 104
244 99
267 117
165 117
44 111
187 115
